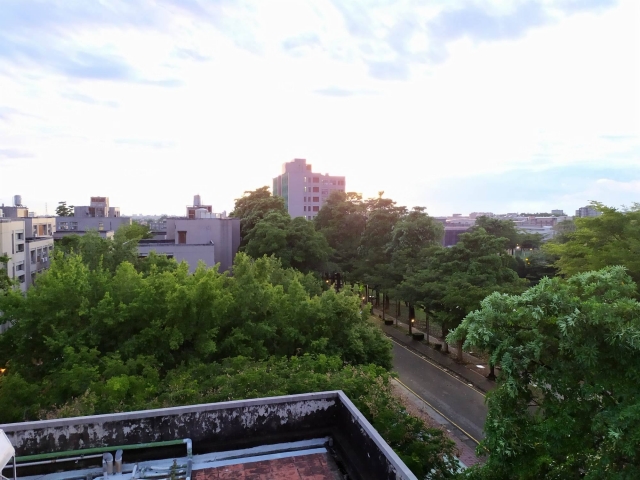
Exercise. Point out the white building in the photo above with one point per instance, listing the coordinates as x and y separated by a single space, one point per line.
27 241
201 235
304 191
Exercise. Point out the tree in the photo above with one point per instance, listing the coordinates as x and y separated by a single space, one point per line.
452 282
253 207
613 238
62 210
342 220
295 242
500 229
168 317
5 281
566 404
373 266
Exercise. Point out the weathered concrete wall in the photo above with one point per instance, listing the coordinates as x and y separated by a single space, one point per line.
223 424
226 426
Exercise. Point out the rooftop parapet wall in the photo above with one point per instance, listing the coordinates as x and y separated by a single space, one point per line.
223 426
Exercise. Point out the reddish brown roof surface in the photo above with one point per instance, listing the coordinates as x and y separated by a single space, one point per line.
304 467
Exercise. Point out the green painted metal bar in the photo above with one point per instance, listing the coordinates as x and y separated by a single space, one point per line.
87 451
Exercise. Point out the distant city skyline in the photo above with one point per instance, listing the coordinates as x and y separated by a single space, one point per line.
457 106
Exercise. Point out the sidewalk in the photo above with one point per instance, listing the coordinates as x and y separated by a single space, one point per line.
473 371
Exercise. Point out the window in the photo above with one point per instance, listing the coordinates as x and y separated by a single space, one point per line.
307 189
20 267
316 189
50 248
340 182
316 208
304 209
21 278
74 226
39 255
20 236
325 191
100 226
316 180
182 237
316 199
33 256
64 226
21 247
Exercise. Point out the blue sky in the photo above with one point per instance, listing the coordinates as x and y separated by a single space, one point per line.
459 106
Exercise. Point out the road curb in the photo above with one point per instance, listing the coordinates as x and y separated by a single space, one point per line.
481 383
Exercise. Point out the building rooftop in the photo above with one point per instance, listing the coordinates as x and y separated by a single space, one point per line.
309 436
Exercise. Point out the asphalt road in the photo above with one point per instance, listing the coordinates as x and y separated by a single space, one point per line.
459 403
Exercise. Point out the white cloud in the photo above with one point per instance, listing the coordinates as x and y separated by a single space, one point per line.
150 104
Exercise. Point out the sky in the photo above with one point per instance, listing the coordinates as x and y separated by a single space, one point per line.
456 105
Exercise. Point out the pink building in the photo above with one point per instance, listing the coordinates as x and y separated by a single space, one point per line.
304 191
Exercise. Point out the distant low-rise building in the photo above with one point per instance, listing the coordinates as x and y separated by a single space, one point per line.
304 191
201 235
97 216
588 211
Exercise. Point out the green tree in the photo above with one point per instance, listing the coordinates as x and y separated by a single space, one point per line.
452 282
342 220
169 317
500 229
566 404
5 281
613 238
295 242
62 210
253 207
374 256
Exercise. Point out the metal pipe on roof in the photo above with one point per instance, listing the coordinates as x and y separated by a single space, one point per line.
56 460
84 451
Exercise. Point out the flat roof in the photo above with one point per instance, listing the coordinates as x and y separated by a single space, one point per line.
314 436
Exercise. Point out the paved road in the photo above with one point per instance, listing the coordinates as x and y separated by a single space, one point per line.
455 400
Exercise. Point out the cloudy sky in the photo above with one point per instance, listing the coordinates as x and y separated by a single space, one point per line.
459 106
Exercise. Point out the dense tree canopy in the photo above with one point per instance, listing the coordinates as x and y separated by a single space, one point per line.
294 241
253 207
81 313
613 238
451 282
342 220
567 402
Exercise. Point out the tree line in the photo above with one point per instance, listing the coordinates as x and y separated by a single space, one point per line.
562 319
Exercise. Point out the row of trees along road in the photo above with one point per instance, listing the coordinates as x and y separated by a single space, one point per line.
566 403
394 250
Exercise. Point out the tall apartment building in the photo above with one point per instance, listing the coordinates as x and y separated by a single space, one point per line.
28 242
98 216
304 191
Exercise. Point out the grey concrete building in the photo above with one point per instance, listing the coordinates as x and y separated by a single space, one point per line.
97 216
587 211
201 235
304 191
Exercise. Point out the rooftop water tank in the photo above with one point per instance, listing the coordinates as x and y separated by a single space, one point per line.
17 200
196 201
